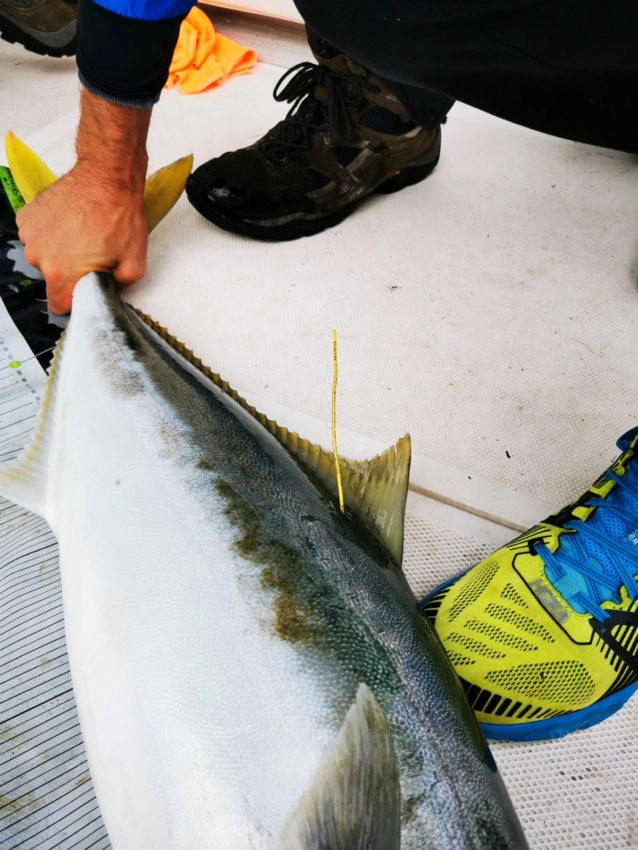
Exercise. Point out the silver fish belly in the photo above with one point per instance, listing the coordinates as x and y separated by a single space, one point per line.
241 652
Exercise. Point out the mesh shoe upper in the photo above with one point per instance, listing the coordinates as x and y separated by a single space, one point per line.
544 632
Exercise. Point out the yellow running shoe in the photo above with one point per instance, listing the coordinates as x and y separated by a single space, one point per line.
544 632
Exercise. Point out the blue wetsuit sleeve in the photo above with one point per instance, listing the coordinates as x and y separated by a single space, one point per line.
148 10
125 47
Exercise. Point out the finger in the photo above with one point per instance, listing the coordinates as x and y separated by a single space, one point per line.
30 254
130 270
60 304
22 214
60 297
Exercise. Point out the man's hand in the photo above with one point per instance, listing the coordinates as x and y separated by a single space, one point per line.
76 227
92 219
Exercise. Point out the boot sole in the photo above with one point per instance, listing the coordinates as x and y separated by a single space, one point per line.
298 227
558 727
61 43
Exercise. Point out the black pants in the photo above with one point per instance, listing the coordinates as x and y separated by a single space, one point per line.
564 67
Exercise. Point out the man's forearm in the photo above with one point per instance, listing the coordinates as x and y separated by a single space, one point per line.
92 218
112 139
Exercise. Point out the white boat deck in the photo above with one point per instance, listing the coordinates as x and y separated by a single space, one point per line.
490 311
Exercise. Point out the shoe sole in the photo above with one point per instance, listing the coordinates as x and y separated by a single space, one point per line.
558 727
56 44
553 727
298 227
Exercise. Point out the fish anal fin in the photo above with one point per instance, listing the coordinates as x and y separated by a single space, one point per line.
354 802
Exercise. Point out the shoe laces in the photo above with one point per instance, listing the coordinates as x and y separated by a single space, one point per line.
598 556
308 114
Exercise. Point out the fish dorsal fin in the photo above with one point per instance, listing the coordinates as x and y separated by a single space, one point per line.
375 491
354 802
162 189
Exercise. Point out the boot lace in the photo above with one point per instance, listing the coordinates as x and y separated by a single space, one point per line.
598 556
307 114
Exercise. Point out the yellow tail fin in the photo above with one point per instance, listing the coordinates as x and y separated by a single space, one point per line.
162 189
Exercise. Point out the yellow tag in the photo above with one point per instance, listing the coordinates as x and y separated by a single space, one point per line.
334 419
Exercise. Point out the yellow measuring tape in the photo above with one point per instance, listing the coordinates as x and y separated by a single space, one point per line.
335 376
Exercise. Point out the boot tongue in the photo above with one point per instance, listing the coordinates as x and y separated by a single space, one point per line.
340 64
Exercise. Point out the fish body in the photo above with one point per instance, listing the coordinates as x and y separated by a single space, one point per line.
249 664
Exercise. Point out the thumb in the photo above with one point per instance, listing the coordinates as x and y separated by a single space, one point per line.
130 270
60 296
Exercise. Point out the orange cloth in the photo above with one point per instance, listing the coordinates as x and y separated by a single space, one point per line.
204 58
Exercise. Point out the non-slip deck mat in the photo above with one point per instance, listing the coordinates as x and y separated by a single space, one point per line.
46 793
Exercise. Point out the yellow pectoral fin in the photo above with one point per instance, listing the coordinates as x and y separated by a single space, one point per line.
161 191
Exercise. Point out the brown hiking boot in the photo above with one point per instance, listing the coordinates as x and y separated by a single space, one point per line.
46 27
346 136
